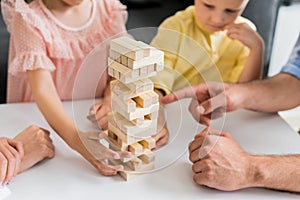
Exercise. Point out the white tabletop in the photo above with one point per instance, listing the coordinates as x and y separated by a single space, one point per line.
69 176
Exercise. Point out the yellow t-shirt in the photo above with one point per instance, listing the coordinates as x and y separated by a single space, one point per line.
192 55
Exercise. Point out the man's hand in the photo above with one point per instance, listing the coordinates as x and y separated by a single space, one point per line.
219 162
11 154
209 100
37 146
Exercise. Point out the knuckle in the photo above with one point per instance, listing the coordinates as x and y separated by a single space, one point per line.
12 159
33 127
43 148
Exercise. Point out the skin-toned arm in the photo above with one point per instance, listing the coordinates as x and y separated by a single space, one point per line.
251 39
50 105
11 154
162 135
273 94
219 162
98 112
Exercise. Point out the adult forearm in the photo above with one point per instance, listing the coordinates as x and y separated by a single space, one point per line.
276 172
270 95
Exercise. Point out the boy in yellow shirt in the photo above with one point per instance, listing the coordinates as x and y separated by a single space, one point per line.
207 41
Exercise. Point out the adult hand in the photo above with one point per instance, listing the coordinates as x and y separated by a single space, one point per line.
209 100
37 146
219 162
98 114
11 154
97 154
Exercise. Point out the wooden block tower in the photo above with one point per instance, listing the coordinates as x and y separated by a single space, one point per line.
135 105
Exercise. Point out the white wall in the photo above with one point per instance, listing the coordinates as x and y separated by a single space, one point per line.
286 33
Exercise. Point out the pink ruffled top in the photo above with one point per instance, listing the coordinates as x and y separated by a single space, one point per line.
77 57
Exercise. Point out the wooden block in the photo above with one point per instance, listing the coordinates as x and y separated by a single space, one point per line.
140 86
121 90
135 148
151 60
130 63
154 97
131 129
125 138
128 105
112 136
129 174
138 113
148 84
148 143
135 73
125 74
140 121
144 100
134 164
134 89
124 60
147 157
151 68
158 67
114 143
118 67
124 46
154 115
148 50
115 56
111 71
144 71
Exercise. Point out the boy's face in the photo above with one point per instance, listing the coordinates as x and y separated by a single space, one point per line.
215 15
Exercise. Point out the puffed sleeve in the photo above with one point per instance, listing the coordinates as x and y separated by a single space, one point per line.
29 47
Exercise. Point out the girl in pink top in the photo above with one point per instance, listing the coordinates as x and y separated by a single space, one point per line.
49 41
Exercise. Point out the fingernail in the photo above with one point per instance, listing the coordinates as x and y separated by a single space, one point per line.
201 109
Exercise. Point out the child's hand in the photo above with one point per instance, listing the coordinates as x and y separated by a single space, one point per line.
162 135
11 154
98 114
92 149
37 146
245 34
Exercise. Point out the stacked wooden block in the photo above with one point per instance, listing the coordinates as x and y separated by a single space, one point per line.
135 105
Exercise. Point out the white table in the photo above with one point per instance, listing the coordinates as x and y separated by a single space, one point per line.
68 176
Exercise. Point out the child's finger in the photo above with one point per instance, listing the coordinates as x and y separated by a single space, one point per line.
108 170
